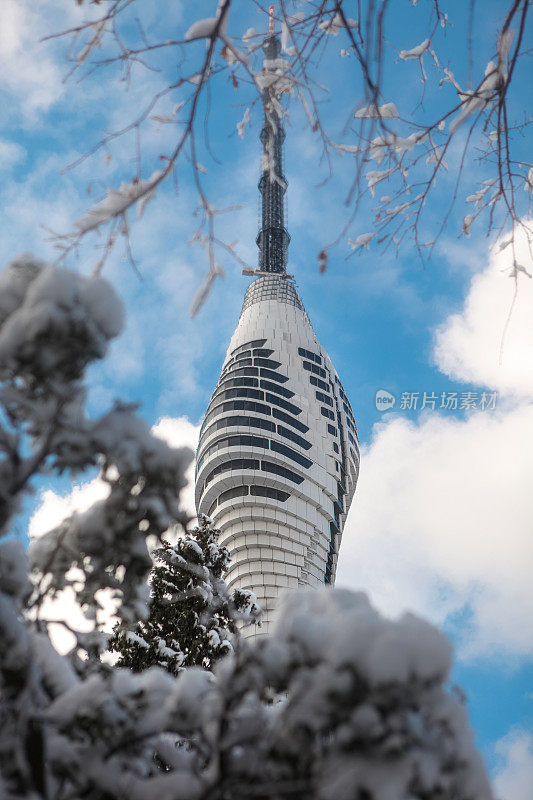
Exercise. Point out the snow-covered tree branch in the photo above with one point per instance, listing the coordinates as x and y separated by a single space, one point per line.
53 324
470 111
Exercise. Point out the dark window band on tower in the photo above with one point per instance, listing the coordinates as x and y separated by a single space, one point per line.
238 440
294 437
231 494
324 398
244 371
277 401
290 453
245 422
247 405
283 472
267 362
236 382
308 354
253 394
244 362
234 464
268 491
255 491
313 368
317 382
238 405
278 389
289 420
274 376
254 343
227 365
249 441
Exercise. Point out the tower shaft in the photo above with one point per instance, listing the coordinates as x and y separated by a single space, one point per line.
278 456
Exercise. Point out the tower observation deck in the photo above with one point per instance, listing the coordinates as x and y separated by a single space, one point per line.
278 456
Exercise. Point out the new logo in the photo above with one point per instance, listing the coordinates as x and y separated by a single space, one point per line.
384 400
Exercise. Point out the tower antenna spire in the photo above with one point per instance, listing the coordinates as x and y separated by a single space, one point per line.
273 238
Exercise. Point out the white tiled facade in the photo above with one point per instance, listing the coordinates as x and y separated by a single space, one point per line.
278 457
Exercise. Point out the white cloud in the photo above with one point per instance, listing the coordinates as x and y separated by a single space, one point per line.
54 508
441 520
27 66
180 432
14 25
514 781
34 71
10 154
468 343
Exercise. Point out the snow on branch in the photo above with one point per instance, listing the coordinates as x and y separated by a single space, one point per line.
386 111
477 118
202 29
362 241
415 52
241 126
203 291
211 26
117 202
336 23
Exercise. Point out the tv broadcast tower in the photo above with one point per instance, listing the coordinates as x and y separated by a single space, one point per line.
278 456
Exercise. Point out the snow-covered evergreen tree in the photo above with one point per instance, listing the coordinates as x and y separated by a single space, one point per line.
192 619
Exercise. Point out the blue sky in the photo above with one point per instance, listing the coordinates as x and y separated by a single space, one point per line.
441 521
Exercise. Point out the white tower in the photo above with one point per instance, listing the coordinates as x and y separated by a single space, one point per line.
278 457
